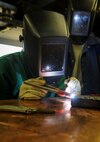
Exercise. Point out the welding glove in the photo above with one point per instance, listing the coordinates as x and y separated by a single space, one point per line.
73 86
31 92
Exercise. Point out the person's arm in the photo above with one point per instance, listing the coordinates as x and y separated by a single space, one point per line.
12 74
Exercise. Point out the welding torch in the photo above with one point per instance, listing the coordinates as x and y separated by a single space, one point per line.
51 89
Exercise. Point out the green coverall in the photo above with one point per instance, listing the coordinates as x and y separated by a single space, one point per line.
12 74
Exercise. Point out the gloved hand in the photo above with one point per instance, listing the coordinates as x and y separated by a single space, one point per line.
32 92
73 86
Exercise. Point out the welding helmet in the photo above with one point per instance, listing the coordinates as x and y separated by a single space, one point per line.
81 15
45 43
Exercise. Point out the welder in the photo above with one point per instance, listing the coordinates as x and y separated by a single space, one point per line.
41 29
84 46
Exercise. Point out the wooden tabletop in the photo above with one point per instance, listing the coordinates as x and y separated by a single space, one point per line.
65 125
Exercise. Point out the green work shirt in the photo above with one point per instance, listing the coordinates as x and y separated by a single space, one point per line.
12 74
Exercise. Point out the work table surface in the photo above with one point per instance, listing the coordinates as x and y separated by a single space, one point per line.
65 125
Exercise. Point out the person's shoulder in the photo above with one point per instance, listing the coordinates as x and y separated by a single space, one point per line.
96 38
10 59
12 55
93 39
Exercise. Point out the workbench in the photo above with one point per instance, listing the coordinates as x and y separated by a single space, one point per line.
66 124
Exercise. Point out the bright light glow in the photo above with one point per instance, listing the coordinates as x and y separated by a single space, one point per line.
73 95
67 105
48 68
8 49
76 18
